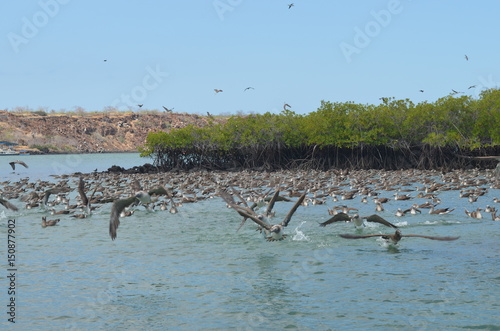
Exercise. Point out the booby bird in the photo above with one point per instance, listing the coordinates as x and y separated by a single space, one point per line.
13 164
47 193
396 237
440 211
8 205
83 197
487 158
248 88
168 110
46 223
119 205
217 91
358 221
273 232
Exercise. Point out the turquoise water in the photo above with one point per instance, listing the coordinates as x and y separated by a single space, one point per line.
192 270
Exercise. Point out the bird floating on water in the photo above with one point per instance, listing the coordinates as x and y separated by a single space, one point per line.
46 223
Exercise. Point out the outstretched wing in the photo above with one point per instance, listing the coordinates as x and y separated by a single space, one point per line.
8 205
270 206
352 236
377 219
288 217
248 213
340 217
81 191
116 209
433 238
158 191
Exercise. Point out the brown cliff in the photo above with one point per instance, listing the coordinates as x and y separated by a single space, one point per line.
89 132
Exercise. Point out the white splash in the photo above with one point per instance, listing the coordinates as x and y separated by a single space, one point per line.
299 235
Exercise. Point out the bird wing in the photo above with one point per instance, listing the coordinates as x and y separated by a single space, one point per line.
377 219
158 191
47 193
116 209
288 217
352 236
13 165
429 237
136 186
340 217
249 213
270 206
22 163
8 205
81 191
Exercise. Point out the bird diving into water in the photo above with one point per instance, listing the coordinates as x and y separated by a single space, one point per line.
396 237
272 232
118 206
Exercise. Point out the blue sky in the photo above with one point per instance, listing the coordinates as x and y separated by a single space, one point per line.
175 53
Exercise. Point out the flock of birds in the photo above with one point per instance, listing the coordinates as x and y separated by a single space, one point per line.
253 195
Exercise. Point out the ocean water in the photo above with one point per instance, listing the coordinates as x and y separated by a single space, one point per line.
193 270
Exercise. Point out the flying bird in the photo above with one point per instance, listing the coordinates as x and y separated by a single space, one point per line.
422 91
118 206
168 110
286 105
290 5
13 164
248 88
272 232
358 221
140 105
217 91
466 57
396 237
472 86
8 205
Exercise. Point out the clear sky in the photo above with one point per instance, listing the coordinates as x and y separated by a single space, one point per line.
175 53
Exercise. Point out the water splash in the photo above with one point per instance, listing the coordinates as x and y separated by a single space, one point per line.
299 235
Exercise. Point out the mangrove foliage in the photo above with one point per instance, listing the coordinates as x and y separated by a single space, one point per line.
394 134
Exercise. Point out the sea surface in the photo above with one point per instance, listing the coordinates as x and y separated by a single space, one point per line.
193 270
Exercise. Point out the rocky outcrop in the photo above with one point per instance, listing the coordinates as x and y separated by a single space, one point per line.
89 133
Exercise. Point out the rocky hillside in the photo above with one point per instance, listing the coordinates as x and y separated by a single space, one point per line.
88 133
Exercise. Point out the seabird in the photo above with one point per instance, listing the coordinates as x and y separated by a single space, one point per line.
140 105
273 232
119 205
396 237
8 205
217 91
13 164
358 221
286 105
290 5
487 158
466 57
441 211
46 223
248 88
167 110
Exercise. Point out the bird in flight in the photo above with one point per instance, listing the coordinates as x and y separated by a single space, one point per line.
290 5
248 88
472 86
140 105
13 164
396 237
217 91
357 220
118 206
466 57
272 232
168 110
286 105
422 91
